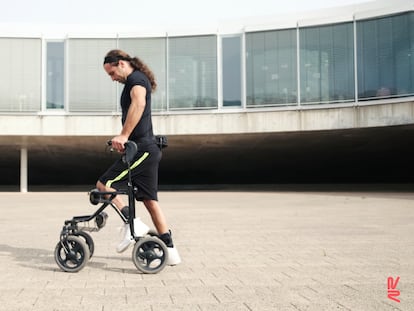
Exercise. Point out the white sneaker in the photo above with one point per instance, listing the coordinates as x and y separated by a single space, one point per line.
173 256
140 228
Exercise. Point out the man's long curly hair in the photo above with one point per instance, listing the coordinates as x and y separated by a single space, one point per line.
114 56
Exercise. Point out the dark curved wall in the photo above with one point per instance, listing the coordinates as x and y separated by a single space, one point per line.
370 155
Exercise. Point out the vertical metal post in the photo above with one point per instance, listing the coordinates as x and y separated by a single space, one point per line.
23 170
355 61
243 70
219 68
167 73
298 65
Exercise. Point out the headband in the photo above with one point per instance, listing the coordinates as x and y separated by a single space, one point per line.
114 59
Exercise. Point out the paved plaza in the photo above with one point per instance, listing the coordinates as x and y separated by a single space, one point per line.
241 250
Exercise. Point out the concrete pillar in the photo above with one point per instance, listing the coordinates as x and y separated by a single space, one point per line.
23 170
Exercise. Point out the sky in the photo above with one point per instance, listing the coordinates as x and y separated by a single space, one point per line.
151 12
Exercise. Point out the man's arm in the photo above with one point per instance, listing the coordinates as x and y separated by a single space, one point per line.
135 111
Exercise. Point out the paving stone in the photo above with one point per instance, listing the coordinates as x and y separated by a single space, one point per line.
242 251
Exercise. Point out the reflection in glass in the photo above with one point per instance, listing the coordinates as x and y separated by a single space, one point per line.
55 75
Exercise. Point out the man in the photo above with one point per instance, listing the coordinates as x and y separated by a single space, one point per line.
139 83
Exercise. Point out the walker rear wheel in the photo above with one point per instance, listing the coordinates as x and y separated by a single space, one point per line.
72 254
150 254
89 241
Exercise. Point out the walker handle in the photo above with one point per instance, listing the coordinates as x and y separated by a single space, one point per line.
131 150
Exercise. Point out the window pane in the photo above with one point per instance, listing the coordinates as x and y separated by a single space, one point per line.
21 90
271 77
231 49
192 75
152 51
327 63
385 56
90 88
55 75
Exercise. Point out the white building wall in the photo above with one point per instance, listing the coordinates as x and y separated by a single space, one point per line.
259 121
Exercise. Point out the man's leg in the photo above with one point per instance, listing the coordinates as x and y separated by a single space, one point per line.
119 203
139 227
157 216
160 224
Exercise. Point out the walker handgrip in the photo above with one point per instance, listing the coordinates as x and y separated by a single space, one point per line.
131 150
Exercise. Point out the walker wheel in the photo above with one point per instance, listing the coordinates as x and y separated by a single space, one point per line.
71 254
89 241
150 255
153 232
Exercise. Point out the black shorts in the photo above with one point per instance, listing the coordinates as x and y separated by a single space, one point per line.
144 169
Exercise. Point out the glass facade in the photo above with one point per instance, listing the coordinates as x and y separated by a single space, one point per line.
386 56
89 87
192 72
55 75
153 52
354 61
20 89
271 70
231 71
327 64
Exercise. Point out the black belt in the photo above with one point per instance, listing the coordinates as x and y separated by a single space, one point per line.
160 140
145 142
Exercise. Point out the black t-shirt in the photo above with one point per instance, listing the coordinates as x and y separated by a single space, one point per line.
144 126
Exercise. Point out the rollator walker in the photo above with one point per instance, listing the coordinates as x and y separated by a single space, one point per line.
76 245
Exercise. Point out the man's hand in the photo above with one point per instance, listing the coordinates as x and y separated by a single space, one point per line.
118 143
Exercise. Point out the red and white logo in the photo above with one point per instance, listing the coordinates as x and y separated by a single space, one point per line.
393 292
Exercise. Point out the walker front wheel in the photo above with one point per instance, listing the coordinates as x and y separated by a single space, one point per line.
150 255
72 254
